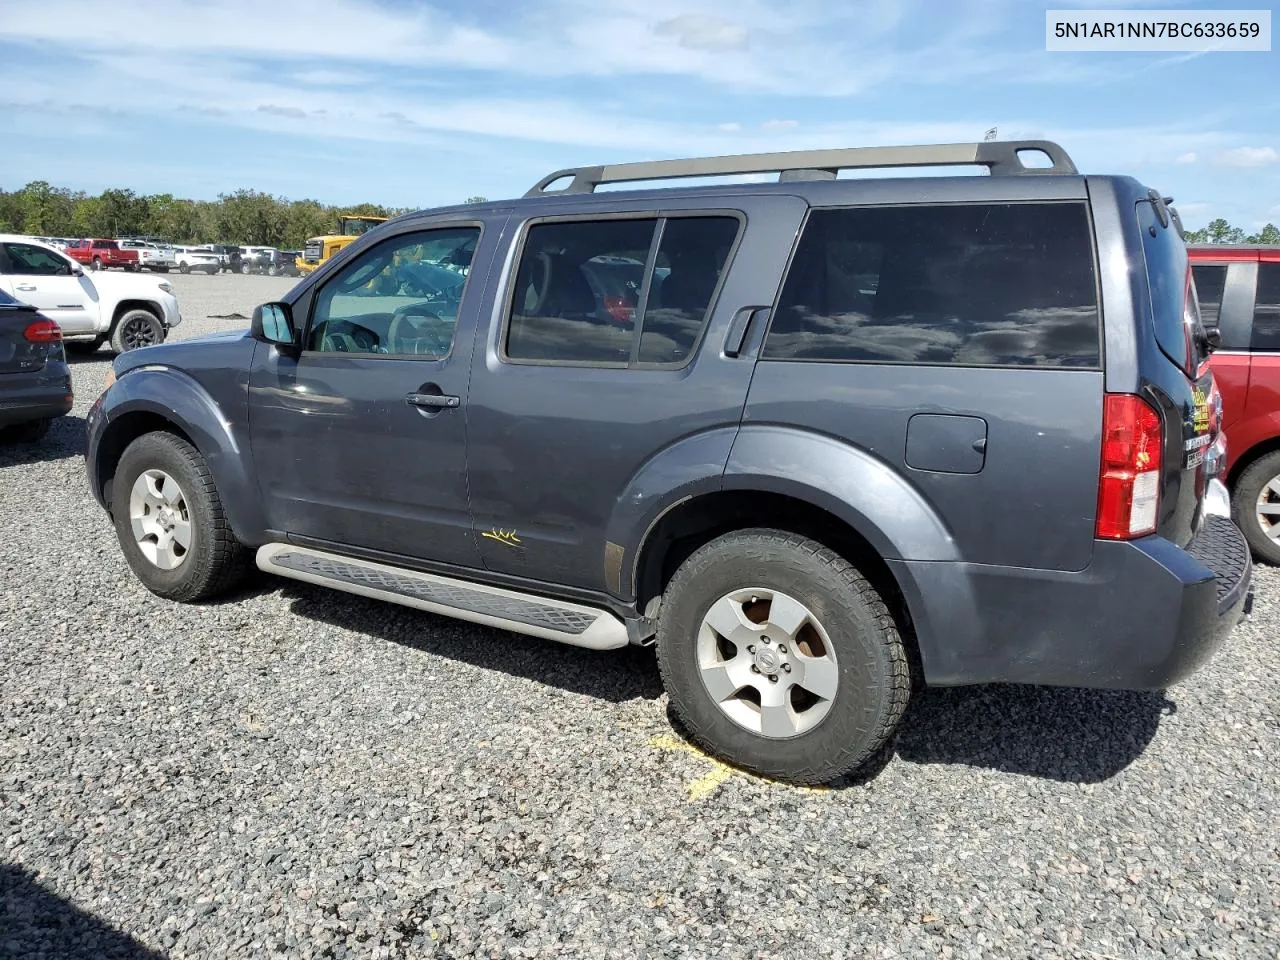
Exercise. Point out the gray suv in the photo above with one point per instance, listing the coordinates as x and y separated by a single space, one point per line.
819 440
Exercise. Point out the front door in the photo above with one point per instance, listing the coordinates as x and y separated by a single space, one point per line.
610 353
361 439
45 280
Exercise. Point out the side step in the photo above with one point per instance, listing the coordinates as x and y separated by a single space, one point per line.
525 613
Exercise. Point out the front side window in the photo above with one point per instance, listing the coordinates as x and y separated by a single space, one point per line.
399 298
32 261
583 292
967 284
1266 308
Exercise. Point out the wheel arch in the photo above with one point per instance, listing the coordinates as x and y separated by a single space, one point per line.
125 306
165 400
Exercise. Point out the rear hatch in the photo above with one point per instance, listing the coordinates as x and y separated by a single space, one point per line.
1177 378
18 354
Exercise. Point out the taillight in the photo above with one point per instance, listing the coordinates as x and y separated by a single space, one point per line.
42 331
1129 485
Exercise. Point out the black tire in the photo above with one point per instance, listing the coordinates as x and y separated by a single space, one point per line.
97 263
29 432
215 561
1244 505
244 268
136 328
874 681
184 267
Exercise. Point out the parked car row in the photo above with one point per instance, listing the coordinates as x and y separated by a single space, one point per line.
143 253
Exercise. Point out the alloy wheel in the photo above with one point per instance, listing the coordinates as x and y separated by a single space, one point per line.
160 519
767 662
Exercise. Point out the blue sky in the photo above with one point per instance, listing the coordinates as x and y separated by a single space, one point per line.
425 103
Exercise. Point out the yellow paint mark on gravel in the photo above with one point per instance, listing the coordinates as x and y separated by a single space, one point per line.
720 772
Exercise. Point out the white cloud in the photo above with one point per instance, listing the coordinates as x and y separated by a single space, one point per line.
1188 157
700 32
779 124
1249 157
729 127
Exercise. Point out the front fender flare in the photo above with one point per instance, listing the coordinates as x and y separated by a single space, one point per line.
180 399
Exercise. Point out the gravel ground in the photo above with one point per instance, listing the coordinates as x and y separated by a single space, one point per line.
308 774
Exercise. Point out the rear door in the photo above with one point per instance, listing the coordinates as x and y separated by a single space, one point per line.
608 351
959 343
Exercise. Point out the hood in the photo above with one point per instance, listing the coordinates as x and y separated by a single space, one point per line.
177 353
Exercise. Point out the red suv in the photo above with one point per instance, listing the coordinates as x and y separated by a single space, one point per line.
1239 292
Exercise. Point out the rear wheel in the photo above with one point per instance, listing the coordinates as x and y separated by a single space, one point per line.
97 263
136 328
170 522
184 267
26 432
779 657
1256 504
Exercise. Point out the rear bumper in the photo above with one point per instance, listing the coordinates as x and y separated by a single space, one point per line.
1143 616
44 394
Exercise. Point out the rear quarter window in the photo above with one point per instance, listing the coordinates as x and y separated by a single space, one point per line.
1004 284
1174 309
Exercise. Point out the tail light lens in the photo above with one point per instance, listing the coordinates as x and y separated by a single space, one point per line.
42 331
1129 486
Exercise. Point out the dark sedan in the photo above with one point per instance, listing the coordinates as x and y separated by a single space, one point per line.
35 381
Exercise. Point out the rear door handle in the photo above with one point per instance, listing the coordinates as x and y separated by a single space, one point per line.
738 329
431 401
26 286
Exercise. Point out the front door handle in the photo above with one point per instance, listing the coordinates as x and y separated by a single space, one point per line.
26 286
431 401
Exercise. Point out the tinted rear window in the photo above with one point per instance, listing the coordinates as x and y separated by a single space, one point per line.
1266 310
972 284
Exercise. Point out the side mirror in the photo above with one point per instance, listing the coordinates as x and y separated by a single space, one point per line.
1212 339
76 269
273 323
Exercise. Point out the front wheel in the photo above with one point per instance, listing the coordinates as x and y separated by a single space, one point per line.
1256 505
136 328
170 522
780 657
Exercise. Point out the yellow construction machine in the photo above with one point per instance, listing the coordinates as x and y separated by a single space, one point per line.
319 250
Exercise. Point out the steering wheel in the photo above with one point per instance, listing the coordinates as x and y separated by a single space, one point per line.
408 315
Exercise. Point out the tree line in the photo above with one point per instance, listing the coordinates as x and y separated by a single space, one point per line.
245 217
261 219
1220 231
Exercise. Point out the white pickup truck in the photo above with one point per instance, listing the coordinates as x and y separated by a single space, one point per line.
128 309
151 256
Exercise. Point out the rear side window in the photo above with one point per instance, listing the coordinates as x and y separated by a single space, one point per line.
585 291
1211 281
1266 309
967 284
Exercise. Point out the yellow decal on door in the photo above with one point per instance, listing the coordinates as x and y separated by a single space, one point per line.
502 536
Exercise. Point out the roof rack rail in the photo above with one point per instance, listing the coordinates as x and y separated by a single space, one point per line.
1000 157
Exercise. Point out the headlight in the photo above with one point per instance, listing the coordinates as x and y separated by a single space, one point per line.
165 286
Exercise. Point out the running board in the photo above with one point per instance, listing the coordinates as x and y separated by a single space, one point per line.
524 613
